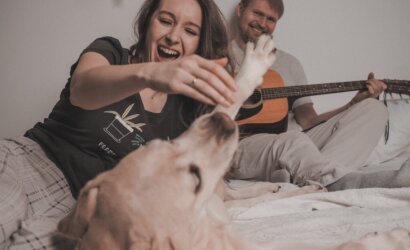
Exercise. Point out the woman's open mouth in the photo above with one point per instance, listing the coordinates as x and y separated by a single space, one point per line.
166 53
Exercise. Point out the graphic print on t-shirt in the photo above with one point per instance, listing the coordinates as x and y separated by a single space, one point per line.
121 125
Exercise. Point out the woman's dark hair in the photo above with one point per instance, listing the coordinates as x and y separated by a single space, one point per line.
213 42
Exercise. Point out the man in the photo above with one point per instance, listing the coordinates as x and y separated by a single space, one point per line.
344 138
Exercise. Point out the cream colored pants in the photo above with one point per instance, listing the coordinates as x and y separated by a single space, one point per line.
324 154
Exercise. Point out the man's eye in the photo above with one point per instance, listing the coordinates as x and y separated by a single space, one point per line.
259 14
196 174
271 20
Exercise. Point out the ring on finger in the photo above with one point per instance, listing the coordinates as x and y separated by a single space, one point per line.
193 82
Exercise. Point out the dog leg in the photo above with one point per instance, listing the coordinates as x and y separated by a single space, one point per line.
253 190
258 59
274 196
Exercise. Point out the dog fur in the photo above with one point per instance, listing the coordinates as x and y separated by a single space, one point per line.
163 196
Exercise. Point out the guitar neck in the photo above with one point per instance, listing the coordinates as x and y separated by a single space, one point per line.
393 86
312 89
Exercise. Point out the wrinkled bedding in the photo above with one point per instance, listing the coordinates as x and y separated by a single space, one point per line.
335 217
326 218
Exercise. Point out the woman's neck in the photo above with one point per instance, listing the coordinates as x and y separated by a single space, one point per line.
152 100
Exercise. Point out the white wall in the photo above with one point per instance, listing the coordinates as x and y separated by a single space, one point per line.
335 40
344 40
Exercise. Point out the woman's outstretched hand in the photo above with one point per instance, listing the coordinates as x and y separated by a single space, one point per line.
204 80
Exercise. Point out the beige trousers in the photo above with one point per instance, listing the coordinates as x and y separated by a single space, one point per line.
323 154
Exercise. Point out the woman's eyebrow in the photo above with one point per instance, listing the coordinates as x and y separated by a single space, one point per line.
174 17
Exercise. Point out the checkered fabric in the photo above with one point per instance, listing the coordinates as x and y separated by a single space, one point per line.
34 196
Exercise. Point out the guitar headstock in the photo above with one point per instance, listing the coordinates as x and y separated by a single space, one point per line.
398 86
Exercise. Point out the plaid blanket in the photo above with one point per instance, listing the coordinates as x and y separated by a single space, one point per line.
34 196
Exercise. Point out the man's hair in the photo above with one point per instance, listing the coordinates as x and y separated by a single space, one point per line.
213 42
277 5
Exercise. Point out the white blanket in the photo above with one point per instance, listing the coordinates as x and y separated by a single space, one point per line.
336 217
325 218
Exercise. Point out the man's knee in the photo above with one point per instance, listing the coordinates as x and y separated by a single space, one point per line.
293 137
374 110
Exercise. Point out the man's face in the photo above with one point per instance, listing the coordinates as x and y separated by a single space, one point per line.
255 19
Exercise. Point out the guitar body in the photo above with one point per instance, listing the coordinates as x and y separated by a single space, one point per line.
266 110
268 116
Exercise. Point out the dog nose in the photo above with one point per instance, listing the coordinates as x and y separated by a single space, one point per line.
221 125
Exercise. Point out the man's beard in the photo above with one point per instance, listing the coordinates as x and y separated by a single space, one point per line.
247 37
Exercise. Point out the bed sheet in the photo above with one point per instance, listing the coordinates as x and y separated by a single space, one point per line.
327 218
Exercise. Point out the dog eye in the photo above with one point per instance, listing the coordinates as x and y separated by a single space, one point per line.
196 173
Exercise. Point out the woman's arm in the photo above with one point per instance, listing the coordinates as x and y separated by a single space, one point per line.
96 83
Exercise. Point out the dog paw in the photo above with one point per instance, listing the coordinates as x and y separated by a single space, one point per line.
314 188
268 187
397 239
258 59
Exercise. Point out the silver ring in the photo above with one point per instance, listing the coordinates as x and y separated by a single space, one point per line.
194 81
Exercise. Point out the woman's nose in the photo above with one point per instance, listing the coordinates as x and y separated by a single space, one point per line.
173 35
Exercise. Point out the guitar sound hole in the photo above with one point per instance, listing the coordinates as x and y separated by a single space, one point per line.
255 98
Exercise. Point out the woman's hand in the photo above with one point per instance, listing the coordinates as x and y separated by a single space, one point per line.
204 80
374 89
96 83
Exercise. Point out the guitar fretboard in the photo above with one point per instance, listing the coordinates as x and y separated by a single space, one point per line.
394 86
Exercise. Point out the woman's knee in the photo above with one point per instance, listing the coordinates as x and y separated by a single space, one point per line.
13 208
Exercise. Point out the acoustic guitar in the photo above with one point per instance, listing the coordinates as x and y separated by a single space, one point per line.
267 108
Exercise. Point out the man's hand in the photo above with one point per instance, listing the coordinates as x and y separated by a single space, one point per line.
374 89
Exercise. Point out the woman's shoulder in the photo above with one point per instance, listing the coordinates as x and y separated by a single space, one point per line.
110 48
105 41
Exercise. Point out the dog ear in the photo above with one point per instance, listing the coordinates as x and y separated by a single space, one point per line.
76 223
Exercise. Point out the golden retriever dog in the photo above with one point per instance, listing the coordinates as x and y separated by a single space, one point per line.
163 195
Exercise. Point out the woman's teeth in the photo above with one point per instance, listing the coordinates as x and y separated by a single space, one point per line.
167 53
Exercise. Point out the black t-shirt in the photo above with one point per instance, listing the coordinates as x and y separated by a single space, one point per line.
83 143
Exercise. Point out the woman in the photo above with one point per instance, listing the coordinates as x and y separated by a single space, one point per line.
115 101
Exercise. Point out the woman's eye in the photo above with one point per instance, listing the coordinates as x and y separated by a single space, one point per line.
191 32
165 21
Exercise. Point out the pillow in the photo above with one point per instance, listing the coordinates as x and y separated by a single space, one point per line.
399 133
